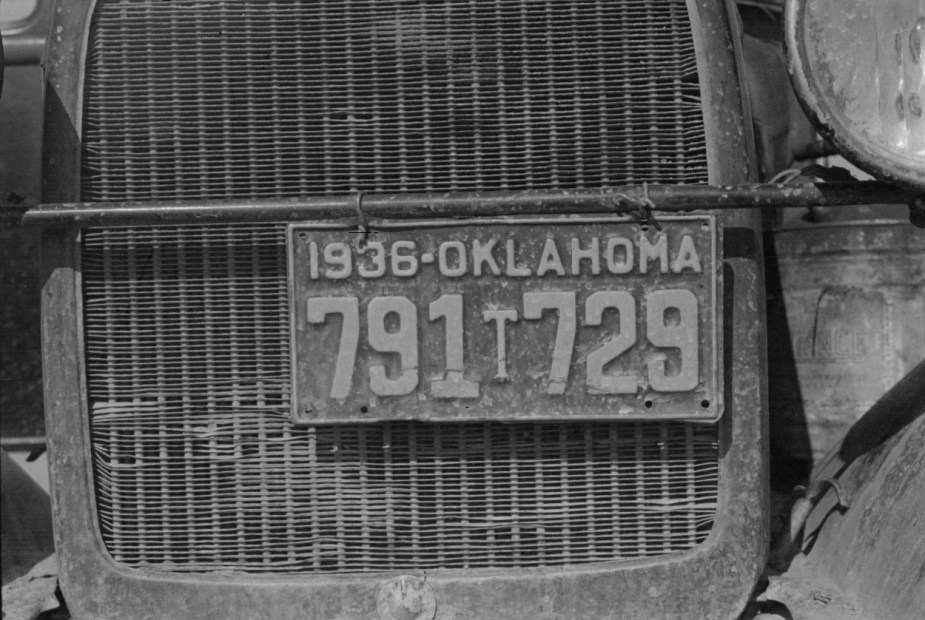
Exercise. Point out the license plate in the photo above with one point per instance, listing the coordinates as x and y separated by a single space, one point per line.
591 318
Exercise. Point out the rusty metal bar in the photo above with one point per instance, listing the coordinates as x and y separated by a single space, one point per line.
14 444
631 199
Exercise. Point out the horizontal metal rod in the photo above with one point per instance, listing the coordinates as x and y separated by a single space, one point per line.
20 444
631 199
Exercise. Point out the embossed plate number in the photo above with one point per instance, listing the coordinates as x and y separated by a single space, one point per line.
505 320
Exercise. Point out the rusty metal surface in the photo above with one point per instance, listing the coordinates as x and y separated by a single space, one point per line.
406 598
854 295
630 199
807 593
64 70
714 580
863 535
540 277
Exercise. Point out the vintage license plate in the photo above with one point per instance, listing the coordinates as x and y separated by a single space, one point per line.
506 319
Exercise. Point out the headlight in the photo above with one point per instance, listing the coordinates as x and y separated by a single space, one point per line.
858 66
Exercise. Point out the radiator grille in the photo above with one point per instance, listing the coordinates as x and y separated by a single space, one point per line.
198 467
215 99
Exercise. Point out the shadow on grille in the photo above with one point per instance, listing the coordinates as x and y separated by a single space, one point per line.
198 467
213 99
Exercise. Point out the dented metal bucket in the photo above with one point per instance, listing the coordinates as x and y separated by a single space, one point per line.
846 324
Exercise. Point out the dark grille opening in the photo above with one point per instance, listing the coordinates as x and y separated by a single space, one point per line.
214 99
198 467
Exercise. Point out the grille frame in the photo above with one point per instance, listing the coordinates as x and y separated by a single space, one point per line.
151 460
730 558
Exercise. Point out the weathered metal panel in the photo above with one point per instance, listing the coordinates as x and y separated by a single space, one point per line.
854 295
863 548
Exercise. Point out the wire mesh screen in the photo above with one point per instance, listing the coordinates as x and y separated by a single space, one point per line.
199 468
209 98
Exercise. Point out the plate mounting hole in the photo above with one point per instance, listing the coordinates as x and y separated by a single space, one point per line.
705 404
648 403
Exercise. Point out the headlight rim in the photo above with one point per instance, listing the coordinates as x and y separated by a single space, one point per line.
885 164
